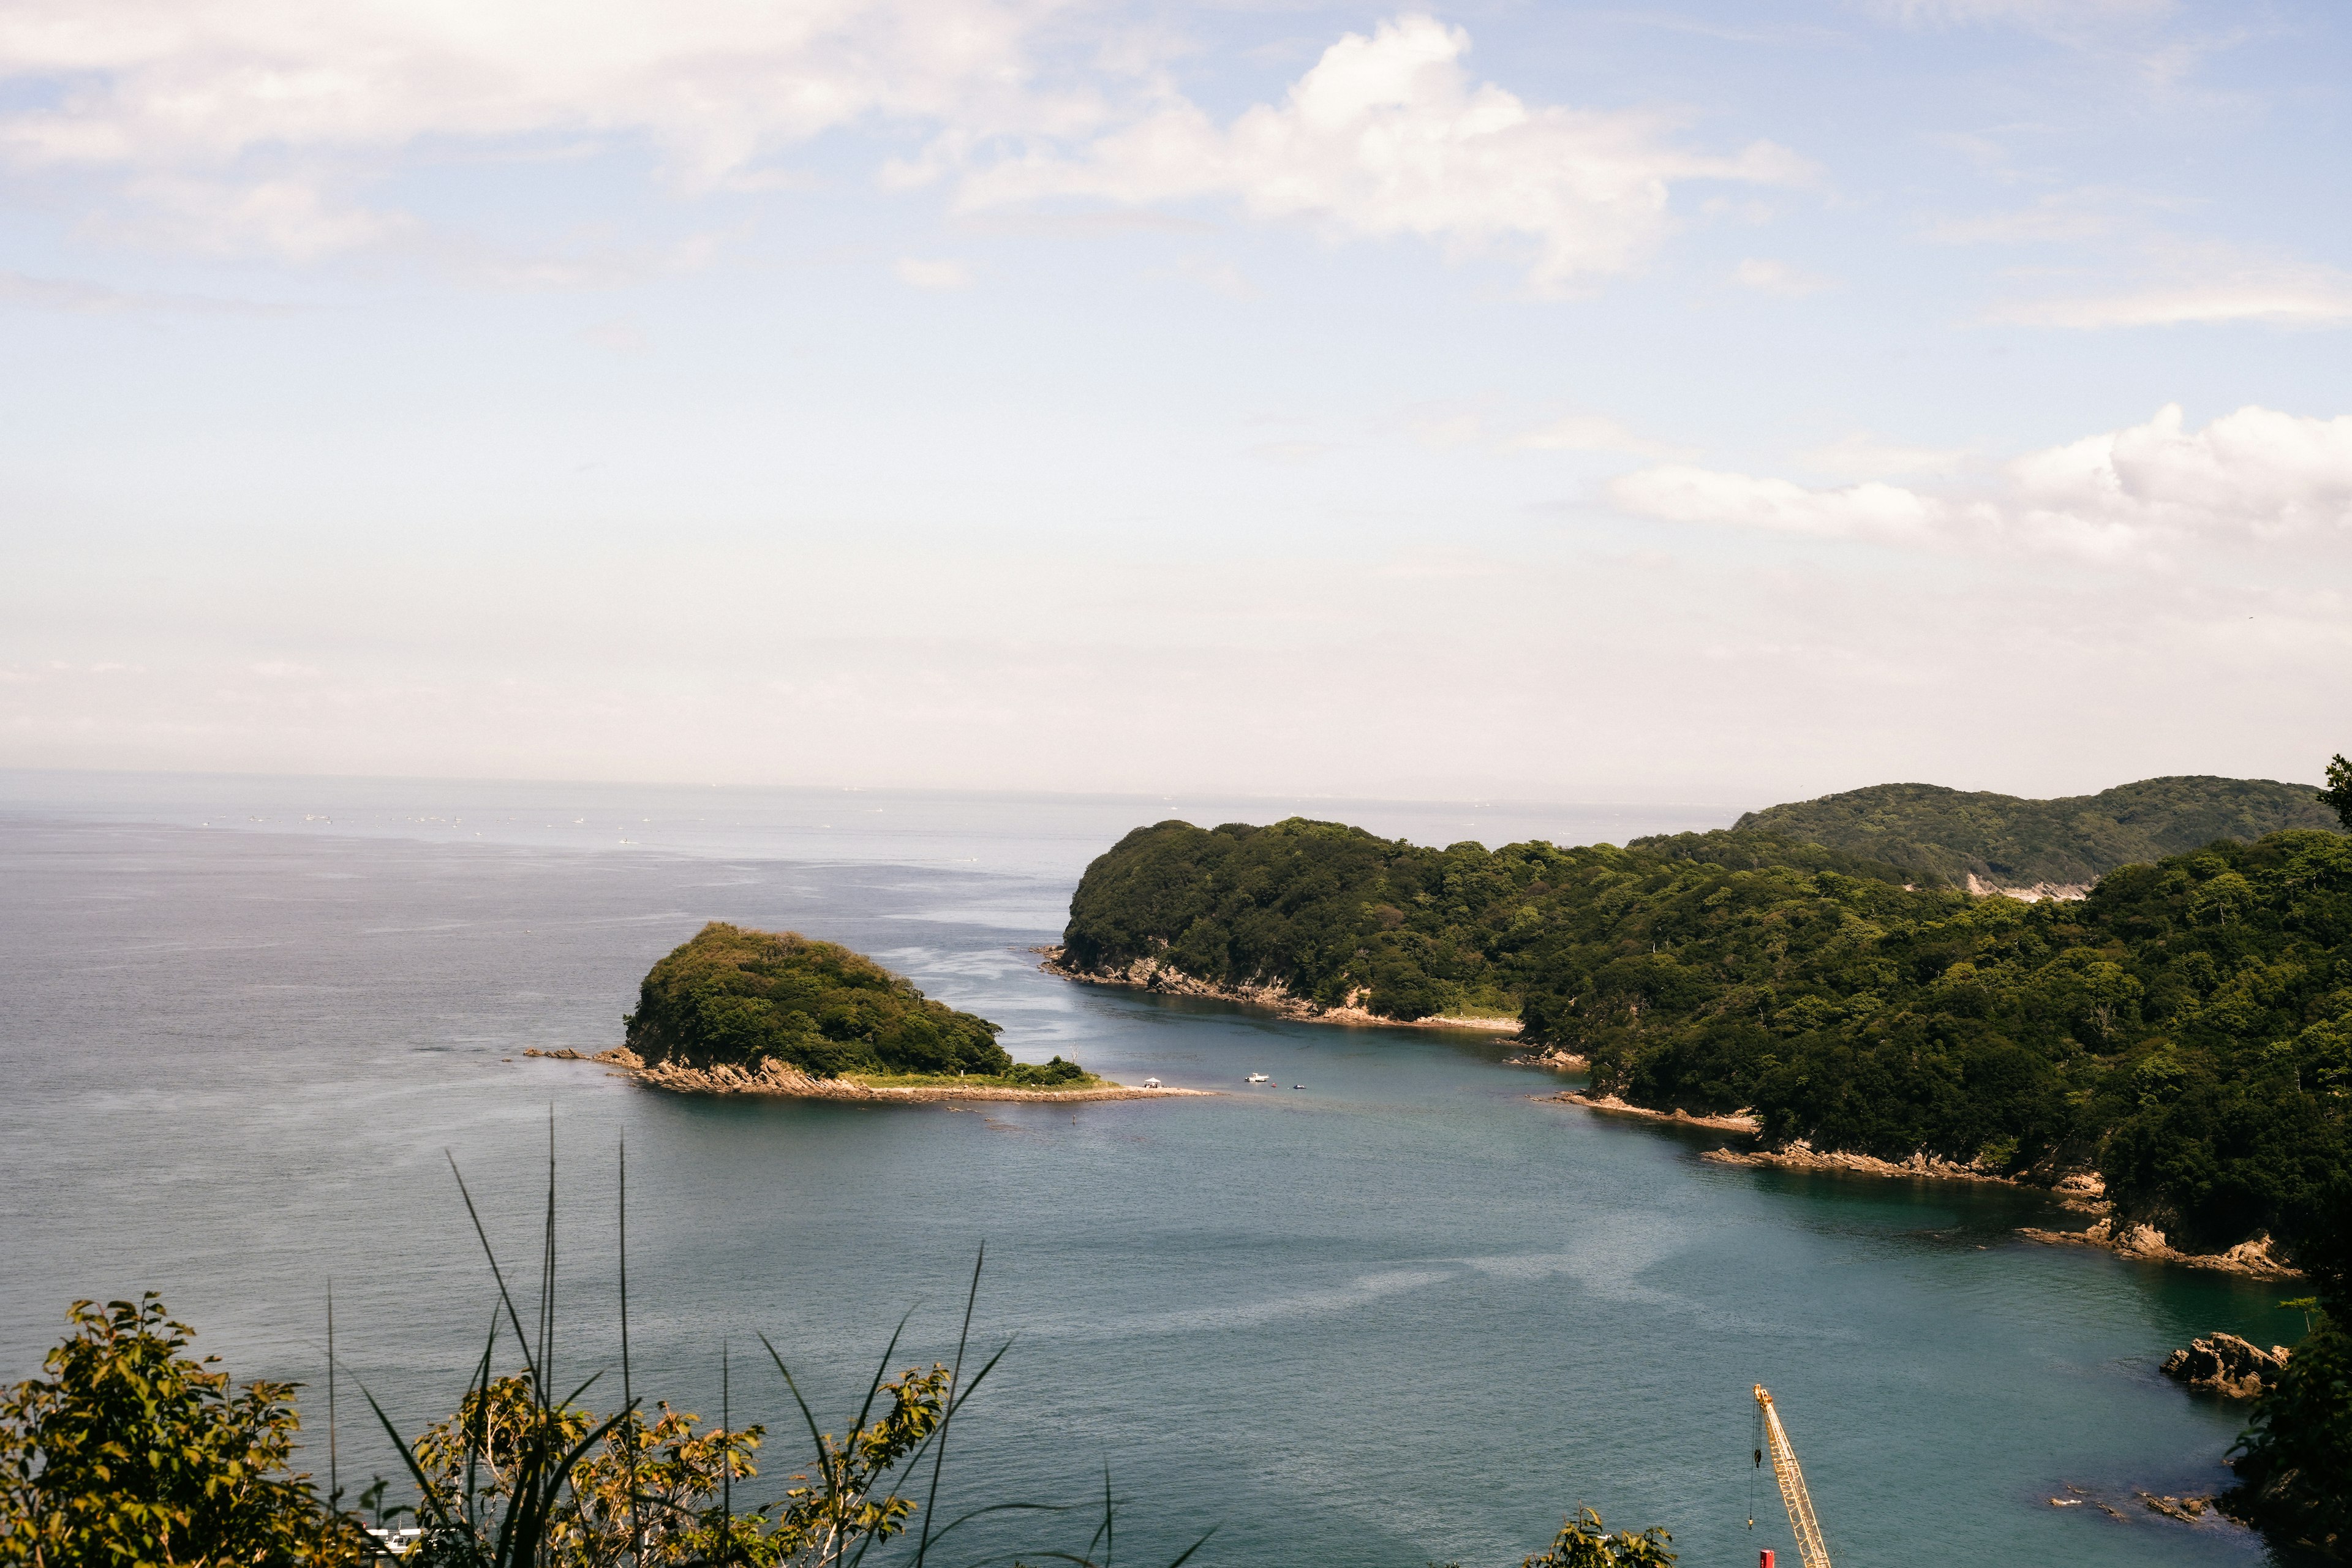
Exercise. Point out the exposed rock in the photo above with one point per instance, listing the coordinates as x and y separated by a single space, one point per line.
2255 1257
787 1081
2085 1191
1275 996
2187 1510
1737 1122
1550 1056
1803 1156
2226 1364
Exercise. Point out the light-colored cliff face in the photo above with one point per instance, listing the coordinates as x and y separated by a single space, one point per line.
2064 893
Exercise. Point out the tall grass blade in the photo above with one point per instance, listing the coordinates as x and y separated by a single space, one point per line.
947 1417
495 1273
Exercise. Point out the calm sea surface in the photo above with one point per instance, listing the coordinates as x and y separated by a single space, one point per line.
1399 1312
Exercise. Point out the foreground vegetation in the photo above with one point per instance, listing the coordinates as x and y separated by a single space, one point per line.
2294 1462
737 997
131 1453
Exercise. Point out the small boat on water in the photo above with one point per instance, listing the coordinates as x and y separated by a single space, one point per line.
1258 1078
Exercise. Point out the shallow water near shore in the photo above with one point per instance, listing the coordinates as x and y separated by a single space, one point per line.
1390 1308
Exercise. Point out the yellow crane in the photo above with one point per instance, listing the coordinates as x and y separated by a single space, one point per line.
1810 1551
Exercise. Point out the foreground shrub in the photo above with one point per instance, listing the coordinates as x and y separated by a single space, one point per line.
130 1452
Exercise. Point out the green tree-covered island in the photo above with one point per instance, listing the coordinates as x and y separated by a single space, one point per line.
734 1010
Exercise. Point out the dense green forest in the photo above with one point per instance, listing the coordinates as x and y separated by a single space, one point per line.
1944 835
2186 1029
735 996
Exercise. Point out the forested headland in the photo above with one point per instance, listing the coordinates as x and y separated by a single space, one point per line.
2186 1030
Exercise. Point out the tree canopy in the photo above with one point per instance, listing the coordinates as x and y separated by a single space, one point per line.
1947 834
736 996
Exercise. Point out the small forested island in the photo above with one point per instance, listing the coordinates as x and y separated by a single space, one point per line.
734 1010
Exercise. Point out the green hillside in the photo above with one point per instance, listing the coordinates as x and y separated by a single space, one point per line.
1946 834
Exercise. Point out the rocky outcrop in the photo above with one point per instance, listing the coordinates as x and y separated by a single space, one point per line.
2256 1258
1803 1156
1737 1122
1156 974
782 1080
2226 1364
2187 1510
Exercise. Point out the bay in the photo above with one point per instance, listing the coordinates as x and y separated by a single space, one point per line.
1393 1308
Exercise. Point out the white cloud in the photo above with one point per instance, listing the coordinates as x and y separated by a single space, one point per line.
1778 277
1590 432
295 217
203 104
2312 297
2147 489
1862 456
933 275
1390 135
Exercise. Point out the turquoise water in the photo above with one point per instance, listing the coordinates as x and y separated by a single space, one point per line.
1403 1313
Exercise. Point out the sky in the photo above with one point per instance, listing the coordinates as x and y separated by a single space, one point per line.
1714 403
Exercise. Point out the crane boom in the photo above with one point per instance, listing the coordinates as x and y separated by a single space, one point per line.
1810 1551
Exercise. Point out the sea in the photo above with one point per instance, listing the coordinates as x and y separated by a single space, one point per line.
1395 1308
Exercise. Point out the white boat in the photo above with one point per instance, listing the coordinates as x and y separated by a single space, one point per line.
1257 1077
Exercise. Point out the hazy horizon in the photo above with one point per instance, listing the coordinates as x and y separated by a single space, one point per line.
1732 403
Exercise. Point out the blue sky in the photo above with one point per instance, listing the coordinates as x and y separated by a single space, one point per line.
1698 403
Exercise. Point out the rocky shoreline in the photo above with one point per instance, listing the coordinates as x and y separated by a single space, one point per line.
2082 1191
2254 1258
1151 975
2226 1364
776 1078
1610 1105
1803 1156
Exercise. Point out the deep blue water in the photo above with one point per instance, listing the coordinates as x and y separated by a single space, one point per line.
1404 1312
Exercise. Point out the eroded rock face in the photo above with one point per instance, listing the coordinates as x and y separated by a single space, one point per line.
2226 1364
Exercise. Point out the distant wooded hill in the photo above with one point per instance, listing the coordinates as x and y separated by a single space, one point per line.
1947 835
